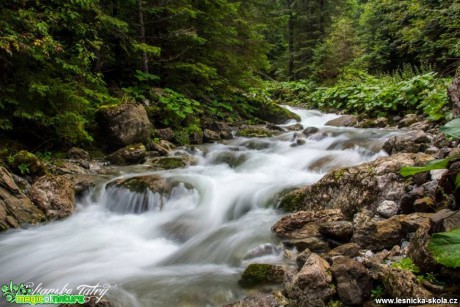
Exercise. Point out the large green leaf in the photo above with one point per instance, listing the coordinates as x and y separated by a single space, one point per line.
445 248
433 165
452 128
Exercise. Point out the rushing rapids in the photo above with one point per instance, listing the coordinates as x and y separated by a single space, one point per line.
187 243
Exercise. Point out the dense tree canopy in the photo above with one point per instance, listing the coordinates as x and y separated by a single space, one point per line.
61 60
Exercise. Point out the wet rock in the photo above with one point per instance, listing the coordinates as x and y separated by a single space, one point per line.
387 208
132 154
310 131
352 280
343 121
15 208
274 127
408 120
350 250
210 135
305 224
124 124
166 134
226 134
422 125
375 234
296 127
312 285
68 167
78 154
27 163
140 184
81 183
258 274
340 230
54 195
353 188
412 142
301 142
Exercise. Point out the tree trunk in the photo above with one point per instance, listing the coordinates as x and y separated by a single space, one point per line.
291 40
145 59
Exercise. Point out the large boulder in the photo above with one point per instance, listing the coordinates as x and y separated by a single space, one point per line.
312 285
132 154
27 163
54 195
343 121
412 141
276 114
353 188
15 208
352 280
124 124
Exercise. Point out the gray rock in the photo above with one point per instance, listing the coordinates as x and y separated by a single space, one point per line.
408 120
310 131
352 280
15 208
210 135
296 127
312 285
124 124
412 142
258 274
343 121
165 134
54 195
340 230
350 250
132 154
387 208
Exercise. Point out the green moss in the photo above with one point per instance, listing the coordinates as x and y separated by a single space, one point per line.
338 174
256 274
27 163
169 163
291 202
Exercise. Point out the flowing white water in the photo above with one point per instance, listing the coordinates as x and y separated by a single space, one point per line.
192 252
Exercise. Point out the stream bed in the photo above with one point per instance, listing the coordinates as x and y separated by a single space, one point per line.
189 248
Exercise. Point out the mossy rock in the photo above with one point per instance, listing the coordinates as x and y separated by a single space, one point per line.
259 274
168 163
26 163
154 183
276 114
255 133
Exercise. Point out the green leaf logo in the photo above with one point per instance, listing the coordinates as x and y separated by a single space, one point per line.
10 291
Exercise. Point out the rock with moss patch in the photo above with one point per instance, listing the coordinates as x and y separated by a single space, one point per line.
276 114
78 154
166 163
258 274
132 154
15 208
124 124
353 188
27 163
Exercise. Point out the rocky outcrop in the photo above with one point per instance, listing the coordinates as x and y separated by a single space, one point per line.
54 195
311 286
412 142
15 208
352 280
153 183
132 154
124 124
343 121
353 188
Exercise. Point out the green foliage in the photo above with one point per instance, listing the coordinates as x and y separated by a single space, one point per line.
377 292
445 248
23 169
407 171
406 264
452 128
